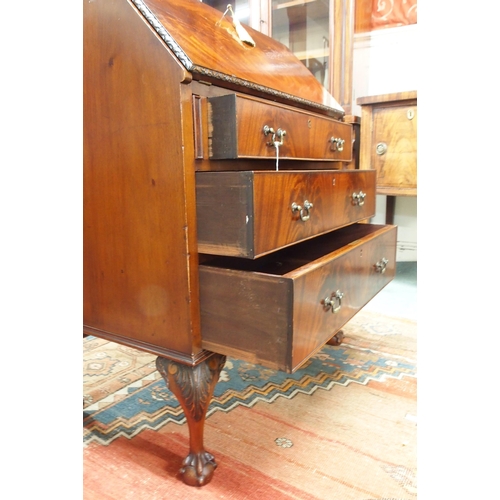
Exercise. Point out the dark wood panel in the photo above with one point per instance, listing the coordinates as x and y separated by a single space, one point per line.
247 316
224 204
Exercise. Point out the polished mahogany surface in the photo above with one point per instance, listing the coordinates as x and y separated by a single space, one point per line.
208 45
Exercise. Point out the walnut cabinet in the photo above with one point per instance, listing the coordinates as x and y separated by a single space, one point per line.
389 144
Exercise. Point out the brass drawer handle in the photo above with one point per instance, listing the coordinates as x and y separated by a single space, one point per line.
381 265
280 134
304 212
358 198
337 143
334 301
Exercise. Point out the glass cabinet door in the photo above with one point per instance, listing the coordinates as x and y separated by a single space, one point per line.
304 27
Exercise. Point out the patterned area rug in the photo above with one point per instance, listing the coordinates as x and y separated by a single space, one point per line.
125 395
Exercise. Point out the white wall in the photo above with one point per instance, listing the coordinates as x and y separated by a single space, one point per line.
385 61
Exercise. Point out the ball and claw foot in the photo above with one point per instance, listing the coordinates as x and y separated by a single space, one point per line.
198 469
194 387
337 339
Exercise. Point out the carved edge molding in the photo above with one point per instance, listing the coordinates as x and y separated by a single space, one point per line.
188 64
163 34
261 88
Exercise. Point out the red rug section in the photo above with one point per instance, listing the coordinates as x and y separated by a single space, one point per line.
350 444
150 462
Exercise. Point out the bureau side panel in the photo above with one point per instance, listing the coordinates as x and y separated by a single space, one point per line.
140 283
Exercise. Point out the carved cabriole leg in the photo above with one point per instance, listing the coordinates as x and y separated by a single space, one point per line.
194 386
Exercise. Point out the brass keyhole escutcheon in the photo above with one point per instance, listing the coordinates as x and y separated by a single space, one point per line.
410 114
309 123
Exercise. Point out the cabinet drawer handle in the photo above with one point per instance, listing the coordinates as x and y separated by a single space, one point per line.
334 301
381 265
337 144
280 134
381 148
358 198
304 212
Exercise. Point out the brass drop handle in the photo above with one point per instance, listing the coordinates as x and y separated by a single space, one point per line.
304 212
381 265
334 301
280 134
358 198
337 143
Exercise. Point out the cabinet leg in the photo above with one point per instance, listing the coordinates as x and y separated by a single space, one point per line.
390 206
194 386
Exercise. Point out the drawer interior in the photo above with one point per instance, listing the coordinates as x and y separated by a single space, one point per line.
291 259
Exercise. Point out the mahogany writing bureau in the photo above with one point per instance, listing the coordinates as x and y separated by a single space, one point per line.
217 220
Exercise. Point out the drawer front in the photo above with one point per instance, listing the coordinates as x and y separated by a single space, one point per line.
238 130
249 214
342 287
394 146
280 310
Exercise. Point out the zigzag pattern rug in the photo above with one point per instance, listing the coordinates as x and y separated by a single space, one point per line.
124 394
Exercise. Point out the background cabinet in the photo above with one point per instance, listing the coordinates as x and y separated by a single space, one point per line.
389 144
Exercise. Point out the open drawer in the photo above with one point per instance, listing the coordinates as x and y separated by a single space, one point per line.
249 214
247 127
282 308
